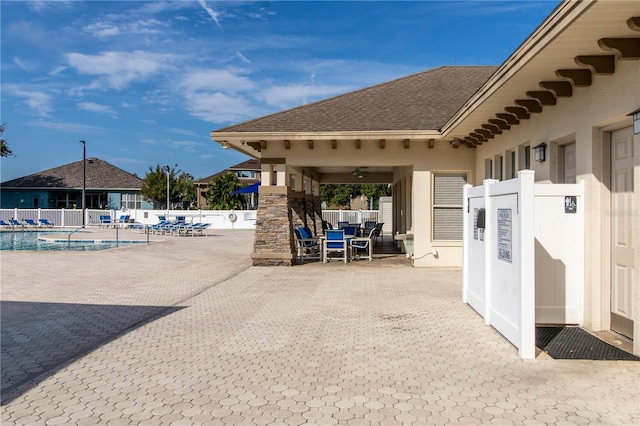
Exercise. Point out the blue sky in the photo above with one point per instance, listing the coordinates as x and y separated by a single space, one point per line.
143 83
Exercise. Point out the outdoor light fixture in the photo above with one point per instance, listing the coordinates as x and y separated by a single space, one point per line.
539 152
636 121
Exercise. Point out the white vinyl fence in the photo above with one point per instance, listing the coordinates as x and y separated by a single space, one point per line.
499 270
219 219
524 256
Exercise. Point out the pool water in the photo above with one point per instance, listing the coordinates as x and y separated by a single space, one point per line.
32 240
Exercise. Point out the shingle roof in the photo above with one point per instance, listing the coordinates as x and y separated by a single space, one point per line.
423 101
100 175
252 164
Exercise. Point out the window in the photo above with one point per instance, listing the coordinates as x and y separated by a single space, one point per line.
511 165
131 201
524 152
246 174
488 169
499 167
447 206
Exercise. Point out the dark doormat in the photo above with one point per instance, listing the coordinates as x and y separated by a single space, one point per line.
575 343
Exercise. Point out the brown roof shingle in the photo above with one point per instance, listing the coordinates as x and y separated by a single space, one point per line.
251 164
423 101
100 175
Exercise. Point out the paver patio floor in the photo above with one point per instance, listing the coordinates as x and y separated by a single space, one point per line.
185 331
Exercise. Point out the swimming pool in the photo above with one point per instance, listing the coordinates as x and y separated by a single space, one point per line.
40 241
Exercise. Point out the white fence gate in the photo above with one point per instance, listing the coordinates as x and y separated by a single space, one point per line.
524 256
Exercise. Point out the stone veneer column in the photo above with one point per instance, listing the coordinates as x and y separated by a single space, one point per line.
273 244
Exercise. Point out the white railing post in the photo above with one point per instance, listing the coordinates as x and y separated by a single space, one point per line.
62 216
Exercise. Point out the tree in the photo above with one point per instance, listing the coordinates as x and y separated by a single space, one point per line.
220 194
4 147
181 186
340 195
186 190
374 192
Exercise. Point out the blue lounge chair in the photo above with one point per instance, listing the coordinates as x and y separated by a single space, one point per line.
3 223
45 222
30 222
15 223
105 221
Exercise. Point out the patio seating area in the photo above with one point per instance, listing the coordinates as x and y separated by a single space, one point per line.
349 242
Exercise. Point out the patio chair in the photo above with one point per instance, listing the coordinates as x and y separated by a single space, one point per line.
199 228
30 222
3 223
368 226
335 243
45 222
363 243
378 233
350 230
342 224
123 221
307 246
14 223
105 221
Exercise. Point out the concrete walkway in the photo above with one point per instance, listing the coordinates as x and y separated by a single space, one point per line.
185 331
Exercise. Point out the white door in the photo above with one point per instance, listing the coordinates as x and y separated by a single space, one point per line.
621 242
569 163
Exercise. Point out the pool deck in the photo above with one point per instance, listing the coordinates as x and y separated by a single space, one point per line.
186 331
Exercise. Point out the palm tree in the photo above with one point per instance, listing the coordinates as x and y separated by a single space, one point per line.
220 194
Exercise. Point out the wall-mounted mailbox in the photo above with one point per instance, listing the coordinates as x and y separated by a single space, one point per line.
481 219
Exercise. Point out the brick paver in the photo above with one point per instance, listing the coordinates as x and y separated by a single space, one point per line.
184 331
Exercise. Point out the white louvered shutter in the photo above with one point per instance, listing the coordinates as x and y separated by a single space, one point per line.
447 206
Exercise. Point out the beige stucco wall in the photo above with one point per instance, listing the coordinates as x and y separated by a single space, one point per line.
585 117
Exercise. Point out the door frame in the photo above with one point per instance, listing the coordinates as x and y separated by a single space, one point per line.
605 139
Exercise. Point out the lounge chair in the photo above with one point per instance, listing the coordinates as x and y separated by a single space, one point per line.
46 223
14 223
123 221
3 223
105 221
30 222
199 228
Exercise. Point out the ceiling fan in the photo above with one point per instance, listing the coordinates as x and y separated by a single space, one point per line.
359 173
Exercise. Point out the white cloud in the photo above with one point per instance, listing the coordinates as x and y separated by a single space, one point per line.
100 109
297 94
242 57
67 127
102 29
36 100
182 131
218 107
217 80
25 64
214 15
57 70
118 69
189 146
48 5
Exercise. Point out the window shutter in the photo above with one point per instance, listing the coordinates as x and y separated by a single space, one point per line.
448 190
